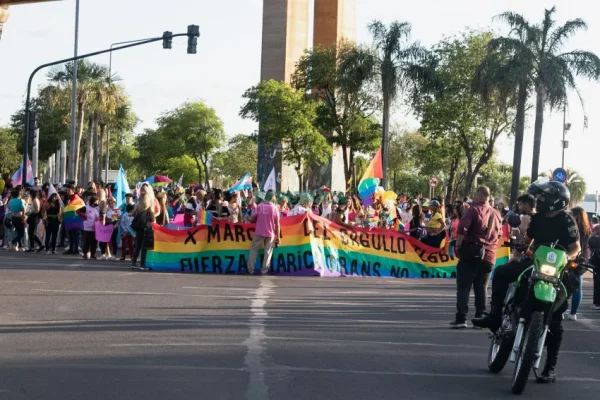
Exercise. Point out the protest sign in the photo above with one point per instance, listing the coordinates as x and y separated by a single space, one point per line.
310 246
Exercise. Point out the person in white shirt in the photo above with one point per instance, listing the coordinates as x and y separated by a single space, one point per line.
303 206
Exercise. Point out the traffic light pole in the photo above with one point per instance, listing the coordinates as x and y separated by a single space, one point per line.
192 34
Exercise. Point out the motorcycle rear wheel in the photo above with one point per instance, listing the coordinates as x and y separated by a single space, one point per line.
526 357
499 353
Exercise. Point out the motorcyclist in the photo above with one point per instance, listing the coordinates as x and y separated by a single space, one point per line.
551 223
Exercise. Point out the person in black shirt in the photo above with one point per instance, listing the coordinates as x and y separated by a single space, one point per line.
551 224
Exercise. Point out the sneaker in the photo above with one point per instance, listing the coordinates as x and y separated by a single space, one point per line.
571 317
547 376
595 306
489 321
103 257
54 252
85 257
41 249
458 324
93 258
110 258
48 252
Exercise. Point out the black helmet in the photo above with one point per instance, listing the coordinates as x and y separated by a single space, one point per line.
550 195
594 242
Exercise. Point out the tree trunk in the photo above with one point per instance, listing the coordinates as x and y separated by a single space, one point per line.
347 171
351 179
96 144
99 155
519 130
199 166
79 134
537 136
385 137
90 152
451 179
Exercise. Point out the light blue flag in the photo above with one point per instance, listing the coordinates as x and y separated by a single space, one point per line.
122 187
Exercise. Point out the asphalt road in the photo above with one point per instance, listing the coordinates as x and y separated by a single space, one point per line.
71 329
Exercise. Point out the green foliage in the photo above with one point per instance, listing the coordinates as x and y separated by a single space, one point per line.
193 129
286 119
456 115
240 157
341 77
10 157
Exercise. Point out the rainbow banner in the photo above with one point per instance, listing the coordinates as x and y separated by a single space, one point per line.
310 246
71 219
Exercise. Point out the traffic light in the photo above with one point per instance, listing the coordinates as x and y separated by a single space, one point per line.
32 129
193 34
167 39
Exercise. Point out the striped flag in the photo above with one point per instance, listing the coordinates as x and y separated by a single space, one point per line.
244 183
375 168
51 191
17 178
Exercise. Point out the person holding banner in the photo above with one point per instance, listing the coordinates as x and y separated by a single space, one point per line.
52 214
266 217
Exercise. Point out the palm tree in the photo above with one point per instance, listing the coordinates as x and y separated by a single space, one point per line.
508 68
555 72
398 64
89 76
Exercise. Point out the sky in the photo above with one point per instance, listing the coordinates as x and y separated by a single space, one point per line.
229 49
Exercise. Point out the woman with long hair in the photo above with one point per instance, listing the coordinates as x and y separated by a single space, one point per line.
163 217
284 207
33 220
585 231
416 228
52 215
303 207
142 225
235 211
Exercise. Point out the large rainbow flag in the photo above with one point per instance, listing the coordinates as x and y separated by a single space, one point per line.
375 168
71 219
310 246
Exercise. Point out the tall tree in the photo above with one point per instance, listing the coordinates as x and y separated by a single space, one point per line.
195 130
341 78
89 77
399 66
457 113
286 119
533 58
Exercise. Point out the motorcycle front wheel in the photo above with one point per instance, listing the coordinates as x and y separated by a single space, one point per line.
526 357
500 349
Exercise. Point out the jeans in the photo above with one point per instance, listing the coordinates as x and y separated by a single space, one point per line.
73 241
31 228
89 243
596 262
257 242
139 248
52 227
19 226
576 300
477 275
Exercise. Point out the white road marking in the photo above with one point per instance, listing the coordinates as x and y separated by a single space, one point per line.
100 292
173 344
34 282
218 288
257 388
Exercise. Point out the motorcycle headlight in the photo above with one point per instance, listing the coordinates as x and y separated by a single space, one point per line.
548 270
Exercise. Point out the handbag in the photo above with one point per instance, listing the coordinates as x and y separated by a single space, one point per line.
8 222
473 252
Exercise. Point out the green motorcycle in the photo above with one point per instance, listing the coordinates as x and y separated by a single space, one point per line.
528 308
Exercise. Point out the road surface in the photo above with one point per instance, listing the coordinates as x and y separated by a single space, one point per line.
74 329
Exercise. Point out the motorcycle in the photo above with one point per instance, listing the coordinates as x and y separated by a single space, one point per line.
528 308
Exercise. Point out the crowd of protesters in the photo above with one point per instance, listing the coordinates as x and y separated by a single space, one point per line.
33 219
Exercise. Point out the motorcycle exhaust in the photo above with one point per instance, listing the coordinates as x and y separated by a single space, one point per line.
540 350
518 338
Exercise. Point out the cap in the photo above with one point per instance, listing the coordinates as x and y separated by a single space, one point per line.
434 203
325 189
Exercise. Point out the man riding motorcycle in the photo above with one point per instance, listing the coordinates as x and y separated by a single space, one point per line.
552 223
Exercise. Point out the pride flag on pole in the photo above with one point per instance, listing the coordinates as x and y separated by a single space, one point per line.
17 178
375 168
244 183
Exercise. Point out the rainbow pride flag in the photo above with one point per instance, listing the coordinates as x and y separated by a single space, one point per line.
204 218
71 219
375 168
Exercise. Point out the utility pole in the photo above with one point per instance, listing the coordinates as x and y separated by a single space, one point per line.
72 146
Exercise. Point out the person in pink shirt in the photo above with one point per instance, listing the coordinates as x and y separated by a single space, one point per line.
267 232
